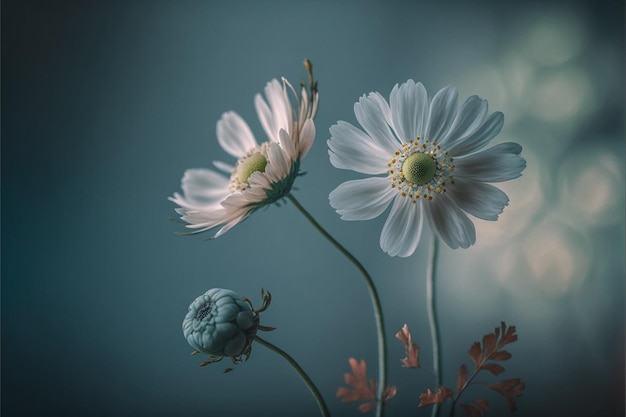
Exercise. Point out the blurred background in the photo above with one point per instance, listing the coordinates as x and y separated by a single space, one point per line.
104 106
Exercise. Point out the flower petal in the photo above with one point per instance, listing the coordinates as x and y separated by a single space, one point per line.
350 148
235 344
265 115
370 115
237 209
362 199
287 145
224 167
306 138
480 137
277 114
449 222
409 104
479 199
234 135
403 228
258 180
467 120
498 163
201 188
441 113
257 192
234 222
201 217
277 165
206 219
383 105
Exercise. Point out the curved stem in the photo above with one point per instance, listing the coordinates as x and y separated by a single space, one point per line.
307 380
452 409
432 316
378 312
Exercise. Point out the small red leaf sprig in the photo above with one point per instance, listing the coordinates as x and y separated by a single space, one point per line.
362 389
430 398
412 359
481 355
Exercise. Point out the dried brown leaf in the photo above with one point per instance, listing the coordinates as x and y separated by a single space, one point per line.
491 348
489 343
362 389
508 335
366 407
494 368
349 395
389 392
411 349
511 389
476 354
429 398
481 353
476 409
501 355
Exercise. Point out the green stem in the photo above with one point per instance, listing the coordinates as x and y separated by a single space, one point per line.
307 380
432 317
378 312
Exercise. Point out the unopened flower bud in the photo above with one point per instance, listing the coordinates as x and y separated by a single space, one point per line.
221 323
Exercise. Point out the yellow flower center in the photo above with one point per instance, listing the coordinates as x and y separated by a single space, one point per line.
419 168
254 163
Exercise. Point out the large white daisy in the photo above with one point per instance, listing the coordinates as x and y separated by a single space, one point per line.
429 153
263 174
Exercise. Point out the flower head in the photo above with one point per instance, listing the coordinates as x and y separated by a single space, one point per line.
431 158
263 173
222 323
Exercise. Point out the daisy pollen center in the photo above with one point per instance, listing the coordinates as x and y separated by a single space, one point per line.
253 163
419 168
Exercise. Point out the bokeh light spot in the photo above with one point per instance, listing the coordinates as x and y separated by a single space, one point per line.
591 185
552 258
552 39
561 95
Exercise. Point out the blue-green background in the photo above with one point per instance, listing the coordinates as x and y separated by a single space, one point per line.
105 104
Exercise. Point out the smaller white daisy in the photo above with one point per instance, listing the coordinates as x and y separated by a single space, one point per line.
430 156
264 173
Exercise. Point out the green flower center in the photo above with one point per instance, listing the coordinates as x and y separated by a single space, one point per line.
419 168
254 163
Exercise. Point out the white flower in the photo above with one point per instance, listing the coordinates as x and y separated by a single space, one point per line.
263 174
430 155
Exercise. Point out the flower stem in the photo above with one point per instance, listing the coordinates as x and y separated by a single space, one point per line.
432 316
307 380
378 312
